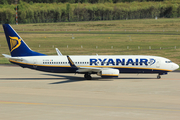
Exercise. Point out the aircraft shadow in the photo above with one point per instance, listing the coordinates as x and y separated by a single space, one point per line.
30 78
62 78
70 79
136 78
78 79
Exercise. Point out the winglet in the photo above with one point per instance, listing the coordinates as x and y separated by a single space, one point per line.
71 62
58 52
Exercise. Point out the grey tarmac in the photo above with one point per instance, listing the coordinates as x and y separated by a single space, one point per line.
32 95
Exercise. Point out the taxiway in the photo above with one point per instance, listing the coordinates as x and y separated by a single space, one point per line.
28 94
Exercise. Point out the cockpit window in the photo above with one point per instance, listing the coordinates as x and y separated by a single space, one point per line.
168 61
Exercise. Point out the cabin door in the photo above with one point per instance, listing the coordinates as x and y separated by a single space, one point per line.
158 63
34 63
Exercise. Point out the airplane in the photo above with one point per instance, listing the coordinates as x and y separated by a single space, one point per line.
102 65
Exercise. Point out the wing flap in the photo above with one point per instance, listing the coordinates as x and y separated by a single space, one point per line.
88 69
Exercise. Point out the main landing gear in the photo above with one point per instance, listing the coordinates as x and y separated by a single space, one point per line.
87 76
158 76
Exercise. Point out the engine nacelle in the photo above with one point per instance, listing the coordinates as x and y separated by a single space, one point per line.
109 73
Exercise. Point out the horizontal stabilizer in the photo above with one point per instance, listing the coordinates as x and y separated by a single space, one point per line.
6 56
12 58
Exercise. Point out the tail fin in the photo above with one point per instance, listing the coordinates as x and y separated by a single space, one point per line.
17 46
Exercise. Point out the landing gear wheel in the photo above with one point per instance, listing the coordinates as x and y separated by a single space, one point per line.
158 77
87 76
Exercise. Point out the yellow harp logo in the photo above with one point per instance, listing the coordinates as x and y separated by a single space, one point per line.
14 42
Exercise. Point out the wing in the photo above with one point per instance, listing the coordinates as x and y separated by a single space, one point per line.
83 69
89 69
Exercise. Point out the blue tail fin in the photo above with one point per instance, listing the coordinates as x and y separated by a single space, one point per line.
17 46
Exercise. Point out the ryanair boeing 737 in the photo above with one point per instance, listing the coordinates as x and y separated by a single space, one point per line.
102 65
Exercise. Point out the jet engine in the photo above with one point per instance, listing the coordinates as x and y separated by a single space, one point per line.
108 73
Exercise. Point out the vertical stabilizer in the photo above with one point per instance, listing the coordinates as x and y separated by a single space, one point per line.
17 46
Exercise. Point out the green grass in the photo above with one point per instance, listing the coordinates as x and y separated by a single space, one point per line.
171 24
141 24
114 35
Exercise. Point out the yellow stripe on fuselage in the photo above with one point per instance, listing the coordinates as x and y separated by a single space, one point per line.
129 67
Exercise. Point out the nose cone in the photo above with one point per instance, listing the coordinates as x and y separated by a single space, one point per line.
175 66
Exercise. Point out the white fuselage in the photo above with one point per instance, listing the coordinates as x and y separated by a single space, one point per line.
125 63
